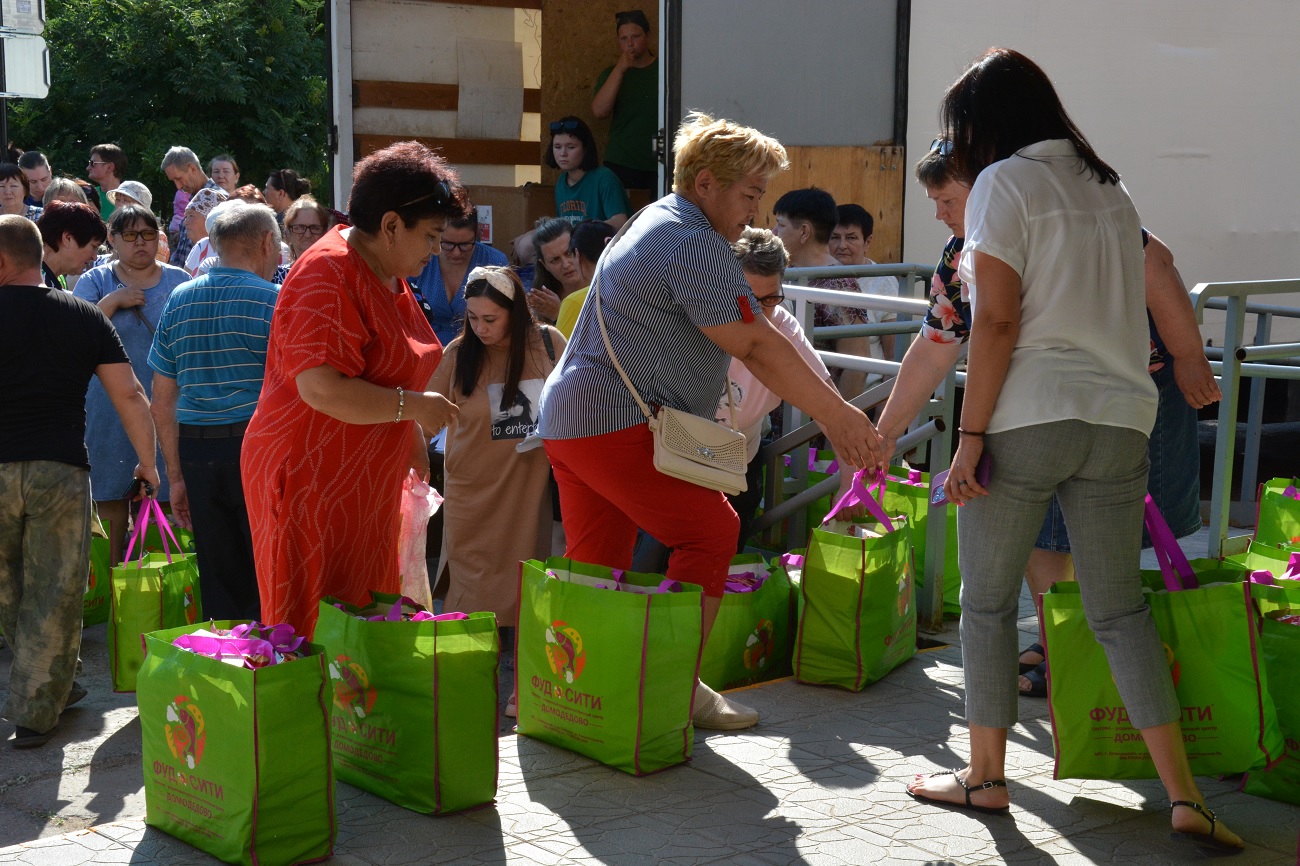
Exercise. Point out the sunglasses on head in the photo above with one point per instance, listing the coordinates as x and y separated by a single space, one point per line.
563 125
941 146
441 195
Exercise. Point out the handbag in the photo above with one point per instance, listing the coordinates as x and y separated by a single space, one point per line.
697 450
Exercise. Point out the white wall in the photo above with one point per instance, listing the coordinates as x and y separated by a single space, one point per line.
1193 101
809 73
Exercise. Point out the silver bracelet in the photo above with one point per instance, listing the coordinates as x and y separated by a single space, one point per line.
401 404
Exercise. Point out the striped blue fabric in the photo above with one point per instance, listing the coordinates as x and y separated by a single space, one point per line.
669 276
212 339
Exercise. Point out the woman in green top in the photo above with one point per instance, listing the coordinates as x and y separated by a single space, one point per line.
628 92
585 190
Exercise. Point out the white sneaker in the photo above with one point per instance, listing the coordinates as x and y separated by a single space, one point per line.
713 712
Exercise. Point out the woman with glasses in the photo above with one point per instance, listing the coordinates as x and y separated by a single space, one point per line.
305 222
585 190
13 193
131 291
441 285
346 410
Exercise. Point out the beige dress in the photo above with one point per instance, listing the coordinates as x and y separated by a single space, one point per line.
497 503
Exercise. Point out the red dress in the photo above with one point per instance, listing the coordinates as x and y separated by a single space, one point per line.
323 495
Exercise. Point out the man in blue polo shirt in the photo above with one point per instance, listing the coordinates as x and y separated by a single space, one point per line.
209 357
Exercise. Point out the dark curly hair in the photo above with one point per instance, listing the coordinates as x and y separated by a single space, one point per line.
408 179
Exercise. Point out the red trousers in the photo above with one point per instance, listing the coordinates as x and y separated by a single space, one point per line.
609 487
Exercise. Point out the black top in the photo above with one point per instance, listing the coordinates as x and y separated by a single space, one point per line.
50 344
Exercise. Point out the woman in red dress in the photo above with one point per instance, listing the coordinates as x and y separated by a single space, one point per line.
345 407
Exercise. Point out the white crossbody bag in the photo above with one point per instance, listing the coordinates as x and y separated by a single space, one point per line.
687 446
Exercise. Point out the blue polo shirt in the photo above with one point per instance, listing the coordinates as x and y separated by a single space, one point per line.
448 317
212 340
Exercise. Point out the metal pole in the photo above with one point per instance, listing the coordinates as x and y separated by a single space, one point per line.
1254 416
1225 442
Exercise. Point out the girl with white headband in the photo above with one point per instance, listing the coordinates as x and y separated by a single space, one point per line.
498 505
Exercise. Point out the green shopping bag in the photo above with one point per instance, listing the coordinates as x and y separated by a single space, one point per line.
1278 521
152 592
1280 648
607 674
751 638
414 709
1276 561
95 603
179 537
237 761
859 619
1210 635
907 492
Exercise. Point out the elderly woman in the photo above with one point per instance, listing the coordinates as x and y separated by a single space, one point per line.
132 291
585 189
63 189
283 187
305 222
1061 410
676 305
224 172
345 407
441 285
72 233
14 189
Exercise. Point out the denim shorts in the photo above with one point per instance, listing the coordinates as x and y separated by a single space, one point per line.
1175 480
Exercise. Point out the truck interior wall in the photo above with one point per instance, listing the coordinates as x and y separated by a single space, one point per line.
580 42
1192 101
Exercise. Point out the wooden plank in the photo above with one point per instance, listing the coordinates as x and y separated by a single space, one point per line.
873 177
460 151
500 4
421 95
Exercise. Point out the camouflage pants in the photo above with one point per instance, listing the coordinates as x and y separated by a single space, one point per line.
44 551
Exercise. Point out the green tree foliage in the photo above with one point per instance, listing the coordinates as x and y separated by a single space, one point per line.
244 77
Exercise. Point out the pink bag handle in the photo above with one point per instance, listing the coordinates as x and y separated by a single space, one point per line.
281 637
1174 567
138 533
149 507
859 495
1291 491
227 647
790 560
914 478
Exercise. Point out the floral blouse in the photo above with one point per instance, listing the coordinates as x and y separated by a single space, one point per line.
825 315
948 319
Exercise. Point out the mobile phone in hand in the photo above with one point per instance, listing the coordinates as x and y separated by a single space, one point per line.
983 469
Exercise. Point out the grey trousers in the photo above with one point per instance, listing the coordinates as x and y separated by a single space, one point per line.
44 561
1099 475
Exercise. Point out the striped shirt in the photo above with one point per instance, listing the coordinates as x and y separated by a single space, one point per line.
667 278
212 339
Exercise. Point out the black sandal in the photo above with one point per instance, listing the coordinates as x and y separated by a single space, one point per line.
1037 677
1204 840
1032 648
988 810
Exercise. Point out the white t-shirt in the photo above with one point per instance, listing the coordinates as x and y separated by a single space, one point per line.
201 250
1083 344
753 399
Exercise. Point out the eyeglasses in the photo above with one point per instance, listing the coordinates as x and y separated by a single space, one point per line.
441 195
941 146
131 237
772 300
461 247
301 230
563 125
94 163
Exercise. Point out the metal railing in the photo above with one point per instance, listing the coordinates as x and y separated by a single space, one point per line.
1230 363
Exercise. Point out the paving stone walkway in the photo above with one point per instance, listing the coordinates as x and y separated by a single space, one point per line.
820 781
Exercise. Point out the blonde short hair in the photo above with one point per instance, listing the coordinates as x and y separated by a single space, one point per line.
727 149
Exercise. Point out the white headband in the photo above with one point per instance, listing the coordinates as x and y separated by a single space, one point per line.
496 278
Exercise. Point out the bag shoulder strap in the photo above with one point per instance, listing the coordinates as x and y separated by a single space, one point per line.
547 342
604 332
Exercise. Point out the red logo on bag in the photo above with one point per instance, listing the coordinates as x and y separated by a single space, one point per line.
904 592
353 693
1175 669
760 645
564 651
90 581
185 731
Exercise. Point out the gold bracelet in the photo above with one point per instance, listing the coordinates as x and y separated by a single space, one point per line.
401 404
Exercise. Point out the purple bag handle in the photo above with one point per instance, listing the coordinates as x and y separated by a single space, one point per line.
138 533
790 560
859 495
914 478
1264 577
1291 492
1174 567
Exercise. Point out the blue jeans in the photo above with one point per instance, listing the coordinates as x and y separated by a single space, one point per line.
1099 474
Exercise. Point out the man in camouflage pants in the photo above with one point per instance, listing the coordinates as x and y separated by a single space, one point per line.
51 343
